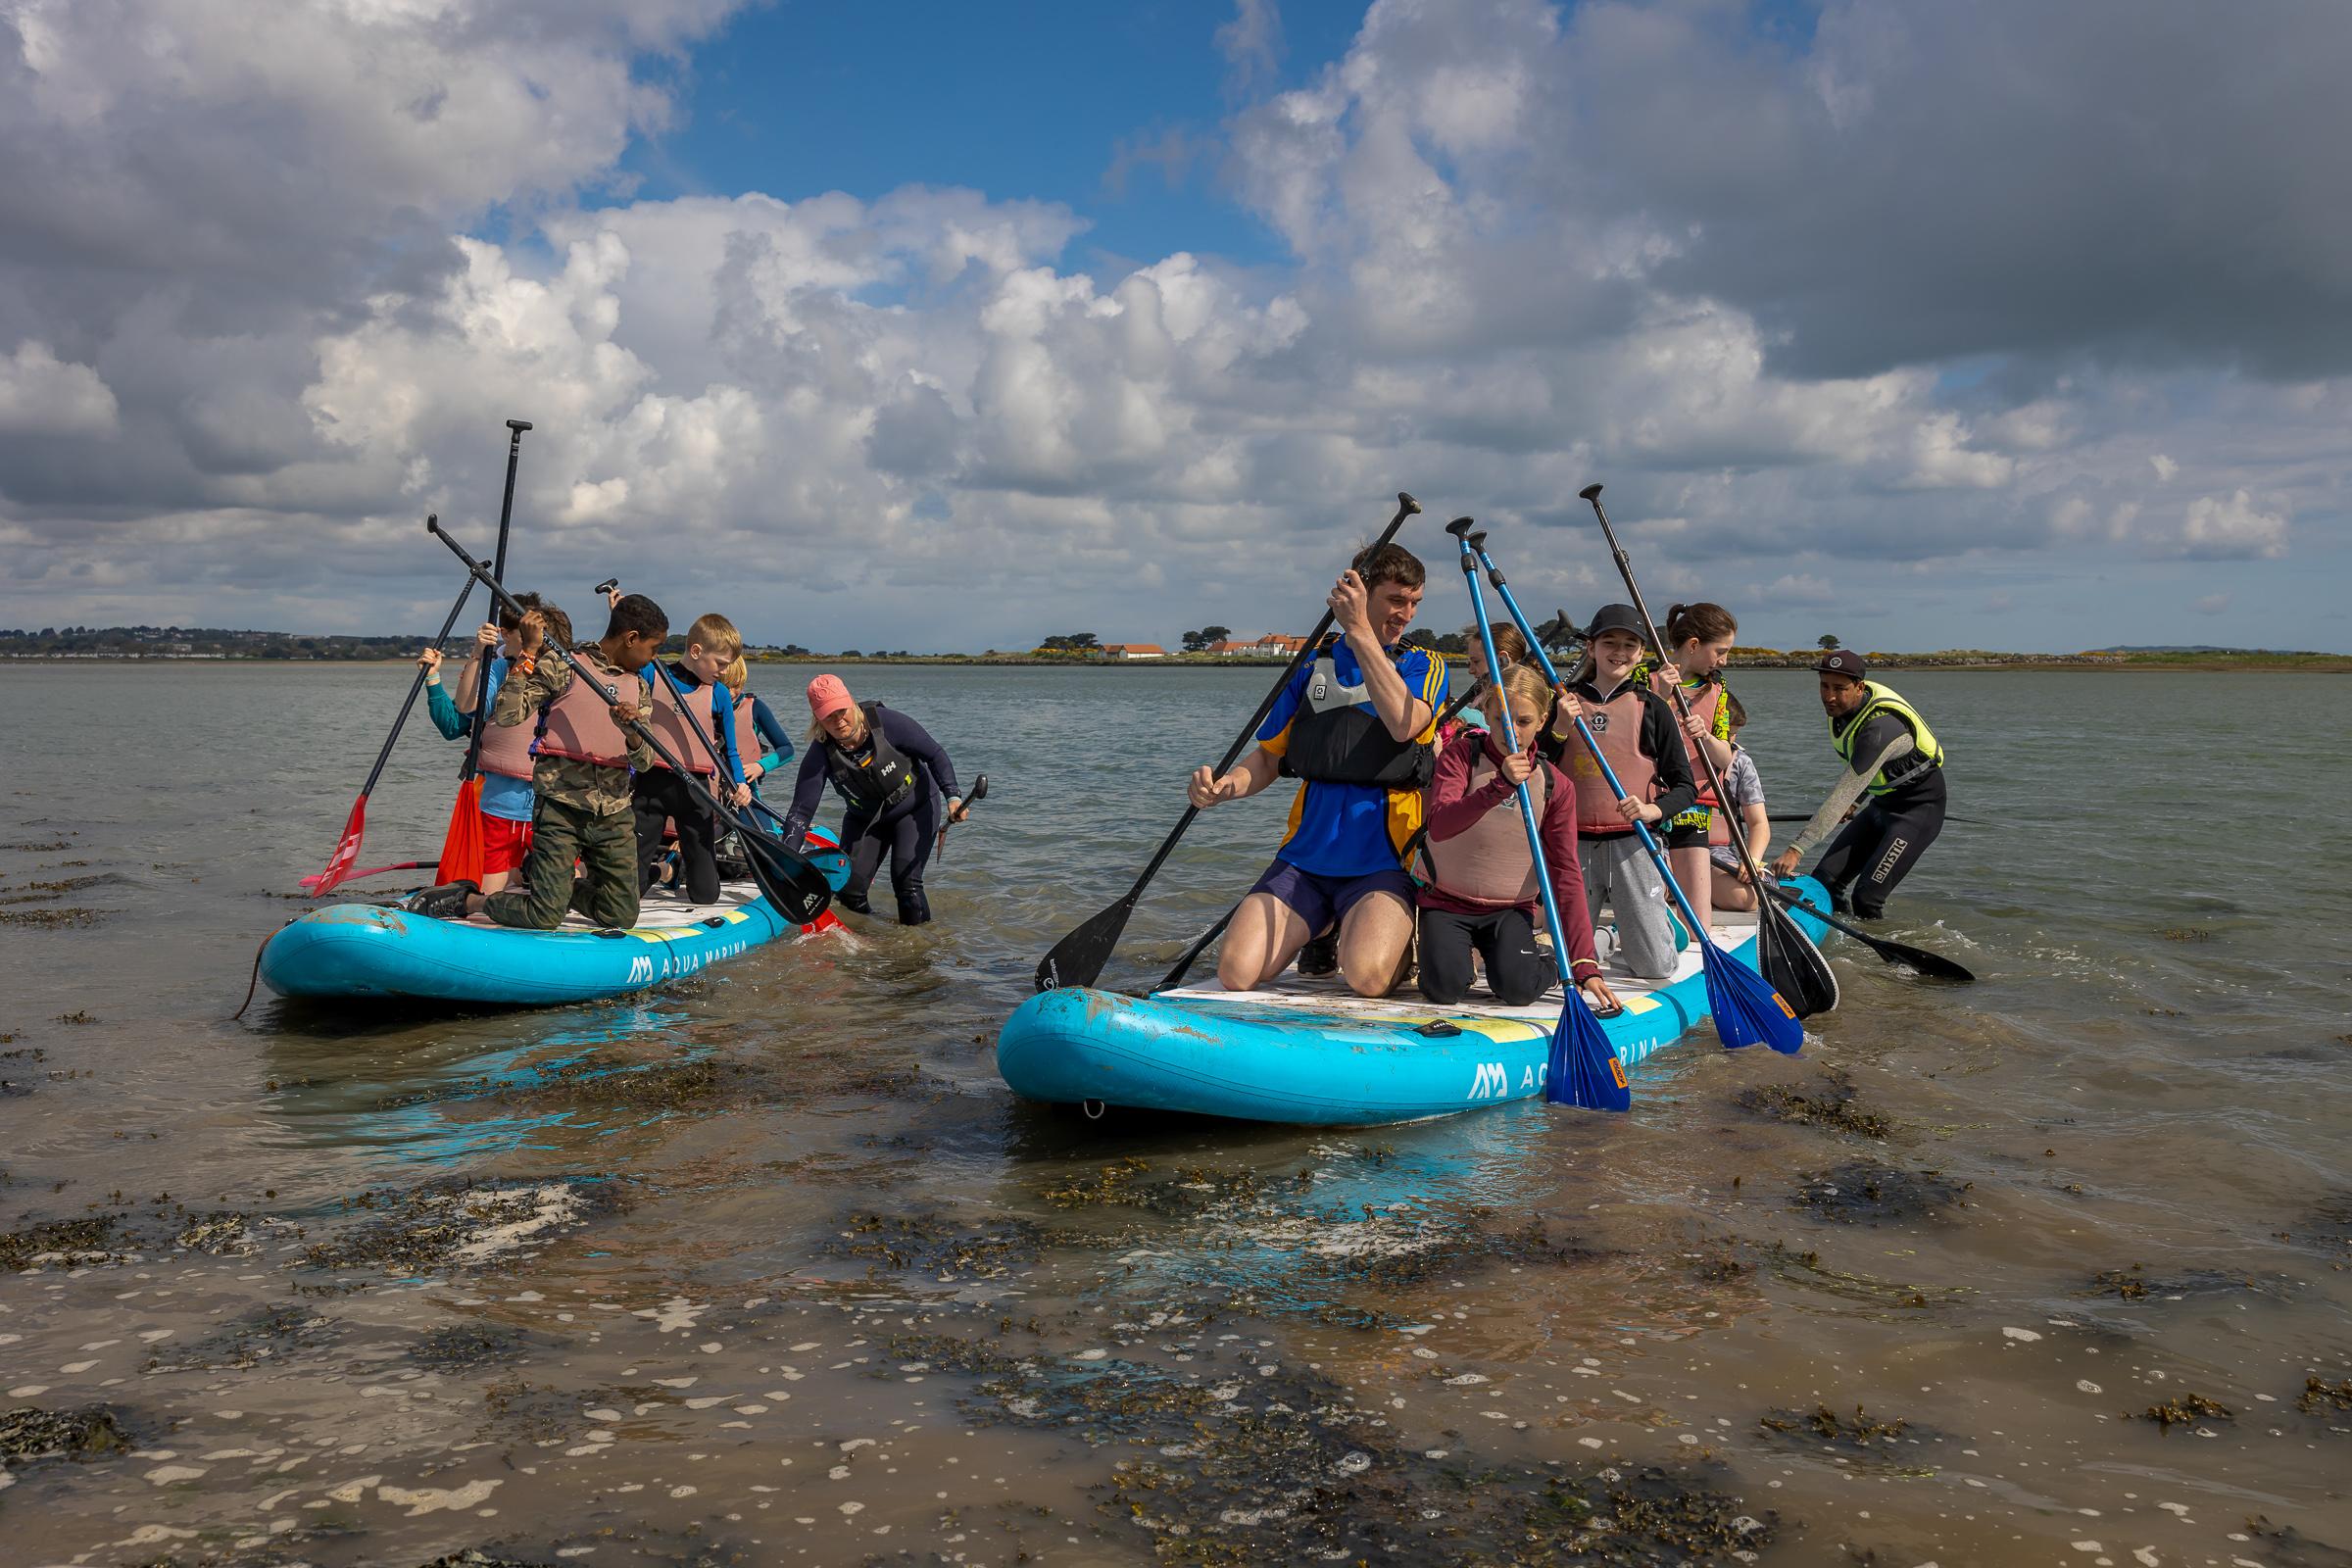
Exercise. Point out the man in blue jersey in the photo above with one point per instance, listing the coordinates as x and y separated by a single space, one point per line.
1358 724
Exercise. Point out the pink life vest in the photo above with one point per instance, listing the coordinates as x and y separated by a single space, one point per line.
507 748
669 726
1488 863
748 749
1617 725
1704 707
579 725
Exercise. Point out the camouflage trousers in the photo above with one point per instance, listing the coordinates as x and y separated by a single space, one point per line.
606 845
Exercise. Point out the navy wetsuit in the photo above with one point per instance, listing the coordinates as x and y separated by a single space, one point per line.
905 832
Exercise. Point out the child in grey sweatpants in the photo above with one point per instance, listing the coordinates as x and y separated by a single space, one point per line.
1619 873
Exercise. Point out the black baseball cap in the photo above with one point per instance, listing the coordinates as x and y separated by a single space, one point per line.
1616 618
1844 662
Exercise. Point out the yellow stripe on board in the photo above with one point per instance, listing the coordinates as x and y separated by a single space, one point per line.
671 932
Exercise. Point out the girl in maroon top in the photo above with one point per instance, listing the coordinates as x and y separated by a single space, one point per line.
1481 892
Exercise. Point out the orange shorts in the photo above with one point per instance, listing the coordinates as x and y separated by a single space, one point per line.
503 844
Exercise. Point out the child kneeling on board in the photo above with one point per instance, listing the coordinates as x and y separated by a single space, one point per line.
1479 881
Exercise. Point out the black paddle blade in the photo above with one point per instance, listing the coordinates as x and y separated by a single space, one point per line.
1789 960
1930 964
1077 959
793 887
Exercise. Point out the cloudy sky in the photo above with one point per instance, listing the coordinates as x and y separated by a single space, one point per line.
1997 323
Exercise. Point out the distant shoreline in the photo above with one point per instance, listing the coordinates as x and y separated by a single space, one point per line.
2024 664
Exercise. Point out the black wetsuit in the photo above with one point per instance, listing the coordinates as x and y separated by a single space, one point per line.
1878 848
905 832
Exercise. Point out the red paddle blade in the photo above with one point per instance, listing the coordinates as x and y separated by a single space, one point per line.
461 845
338 864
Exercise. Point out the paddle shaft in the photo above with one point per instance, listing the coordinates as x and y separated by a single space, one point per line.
1527 805
1933 964
978 794
1050 969
416 688
497 575
1699 933
1682 707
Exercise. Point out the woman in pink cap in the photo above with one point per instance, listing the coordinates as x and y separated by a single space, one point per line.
891 774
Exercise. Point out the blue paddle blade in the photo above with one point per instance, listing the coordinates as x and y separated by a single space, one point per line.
1746 1008
1585 1070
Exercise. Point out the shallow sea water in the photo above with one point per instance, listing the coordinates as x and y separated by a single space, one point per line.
767 1266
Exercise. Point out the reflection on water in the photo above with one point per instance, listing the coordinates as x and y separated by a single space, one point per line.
766 1266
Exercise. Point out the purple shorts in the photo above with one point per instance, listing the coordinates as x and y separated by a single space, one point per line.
1323 901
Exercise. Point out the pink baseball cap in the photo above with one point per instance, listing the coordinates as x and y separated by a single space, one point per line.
827 695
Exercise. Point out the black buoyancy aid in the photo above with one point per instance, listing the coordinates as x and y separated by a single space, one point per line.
885 777
1335 740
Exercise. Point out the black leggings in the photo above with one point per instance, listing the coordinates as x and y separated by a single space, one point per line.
1879 848
660 796
906 836
1517 970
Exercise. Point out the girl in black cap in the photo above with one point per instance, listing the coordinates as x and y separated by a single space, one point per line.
1638 735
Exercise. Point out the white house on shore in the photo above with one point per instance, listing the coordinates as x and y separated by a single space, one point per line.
1134 651
1273 644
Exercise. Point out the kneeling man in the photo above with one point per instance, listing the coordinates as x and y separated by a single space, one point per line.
1358 726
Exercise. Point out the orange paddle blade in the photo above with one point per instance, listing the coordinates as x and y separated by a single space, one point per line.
461 845
338 864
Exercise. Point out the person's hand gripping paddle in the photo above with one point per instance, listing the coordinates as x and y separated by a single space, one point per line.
962 810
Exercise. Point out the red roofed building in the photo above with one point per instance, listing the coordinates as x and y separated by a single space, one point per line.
1273 644
1134 651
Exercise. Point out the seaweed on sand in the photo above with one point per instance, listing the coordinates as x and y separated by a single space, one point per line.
1284 1466
441 1225
2183 1410
29 1434
86 1239
935 1244
1864 1191
1834 1106
264 1334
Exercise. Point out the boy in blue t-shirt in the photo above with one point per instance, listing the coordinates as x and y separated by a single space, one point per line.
1358 724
